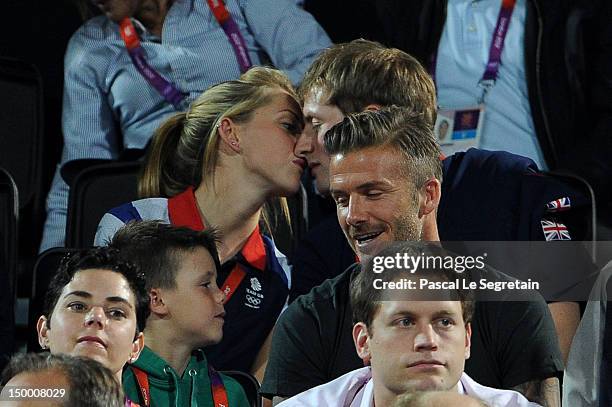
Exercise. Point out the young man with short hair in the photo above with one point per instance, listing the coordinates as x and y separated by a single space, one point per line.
354 77
187 314
413 340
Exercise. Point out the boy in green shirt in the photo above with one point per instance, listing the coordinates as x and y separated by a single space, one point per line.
187 314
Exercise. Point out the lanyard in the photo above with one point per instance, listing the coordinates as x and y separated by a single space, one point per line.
497 45
166 89
225 20
143 384
495 50
218 389
232 281
136 52
216 383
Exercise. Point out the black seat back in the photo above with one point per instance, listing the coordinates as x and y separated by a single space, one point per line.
21 133
9 216
249 383
44 269
94 191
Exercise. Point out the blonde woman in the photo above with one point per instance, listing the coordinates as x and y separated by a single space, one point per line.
134 63
217 164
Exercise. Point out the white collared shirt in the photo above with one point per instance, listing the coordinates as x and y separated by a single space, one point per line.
356 389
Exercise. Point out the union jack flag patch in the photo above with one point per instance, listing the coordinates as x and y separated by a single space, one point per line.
554 230
559 205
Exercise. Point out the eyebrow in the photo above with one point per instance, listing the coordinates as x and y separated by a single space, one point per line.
437 314
403 314
114 299
208 273
445 313
297 116
371 184
365 185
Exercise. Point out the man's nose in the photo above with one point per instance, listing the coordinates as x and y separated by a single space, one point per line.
305 142
356 212
426 339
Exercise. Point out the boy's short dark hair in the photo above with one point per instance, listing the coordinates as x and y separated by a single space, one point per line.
91 383
366 299
356 74
156 248
103 258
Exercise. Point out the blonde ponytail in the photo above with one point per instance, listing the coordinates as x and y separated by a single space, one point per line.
159 177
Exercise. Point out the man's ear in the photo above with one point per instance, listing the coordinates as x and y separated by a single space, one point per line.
156 302
361 338
229 135
429 197
137 347
43 331
468 340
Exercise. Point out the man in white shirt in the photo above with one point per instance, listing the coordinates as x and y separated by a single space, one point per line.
410 342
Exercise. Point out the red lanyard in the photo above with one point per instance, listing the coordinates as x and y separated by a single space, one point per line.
233 281
143 383
225 20
137 55
219 393
166 89
218 389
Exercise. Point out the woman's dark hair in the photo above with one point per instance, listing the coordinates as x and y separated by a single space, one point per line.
103 258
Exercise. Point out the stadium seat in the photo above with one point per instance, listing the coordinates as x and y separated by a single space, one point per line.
94 191
44 268
98 186
21 137
9 216
249 383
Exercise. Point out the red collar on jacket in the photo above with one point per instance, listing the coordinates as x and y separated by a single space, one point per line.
183 211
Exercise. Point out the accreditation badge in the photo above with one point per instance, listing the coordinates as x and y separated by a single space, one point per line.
459 130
